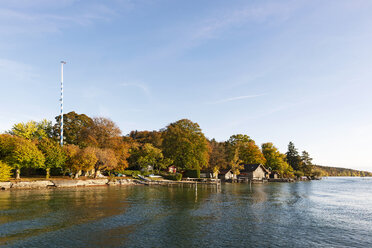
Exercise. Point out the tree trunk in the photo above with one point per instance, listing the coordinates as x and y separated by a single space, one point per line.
47 173
96 173
18 173
77 174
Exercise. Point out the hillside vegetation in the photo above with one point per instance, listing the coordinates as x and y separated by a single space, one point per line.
341 172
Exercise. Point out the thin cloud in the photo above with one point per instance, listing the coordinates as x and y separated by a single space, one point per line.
20 21
140 86
236 98
211 27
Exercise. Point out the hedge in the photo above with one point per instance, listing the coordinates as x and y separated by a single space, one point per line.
192 173
174 177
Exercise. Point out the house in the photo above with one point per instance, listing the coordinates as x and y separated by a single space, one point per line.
172 169
208 174
226 175
274 175
254 172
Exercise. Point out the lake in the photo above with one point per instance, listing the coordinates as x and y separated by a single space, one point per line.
333 212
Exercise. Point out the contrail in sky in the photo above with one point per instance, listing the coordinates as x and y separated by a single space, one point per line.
236 98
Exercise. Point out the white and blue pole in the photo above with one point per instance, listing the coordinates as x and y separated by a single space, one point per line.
62 63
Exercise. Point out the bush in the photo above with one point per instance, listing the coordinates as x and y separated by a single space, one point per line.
5 171
131 172
135 173
178 176
298 173
192 173
174 177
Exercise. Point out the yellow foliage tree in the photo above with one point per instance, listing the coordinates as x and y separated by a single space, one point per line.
5 172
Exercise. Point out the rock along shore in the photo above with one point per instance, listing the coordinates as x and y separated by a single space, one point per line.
65 183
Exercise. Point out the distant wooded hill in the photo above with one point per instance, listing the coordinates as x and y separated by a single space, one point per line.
341 172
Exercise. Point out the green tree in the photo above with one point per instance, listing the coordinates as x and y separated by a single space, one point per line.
76 128
53 153
20 153
185 144
293 158
32 130
148 155
275 160
307 165
248 151
5 172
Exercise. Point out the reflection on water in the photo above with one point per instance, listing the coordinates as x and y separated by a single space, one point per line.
332 212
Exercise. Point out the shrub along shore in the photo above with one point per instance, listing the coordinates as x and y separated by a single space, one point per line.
96 146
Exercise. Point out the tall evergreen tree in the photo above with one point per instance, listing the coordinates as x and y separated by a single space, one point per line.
307 165
293 157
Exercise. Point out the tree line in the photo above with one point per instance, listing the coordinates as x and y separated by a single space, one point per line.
93 145
339 172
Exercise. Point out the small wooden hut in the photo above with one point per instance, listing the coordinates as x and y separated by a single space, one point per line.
254 172
226 175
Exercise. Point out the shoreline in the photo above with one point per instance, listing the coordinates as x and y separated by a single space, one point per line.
64 183
99 182
56 183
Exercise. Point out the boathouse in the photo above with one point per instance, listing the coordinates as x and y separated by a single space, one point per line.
226 175
274 175
208 174
254 172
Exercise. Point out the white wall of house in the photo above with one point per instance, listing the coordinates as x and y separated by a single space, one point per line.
259 173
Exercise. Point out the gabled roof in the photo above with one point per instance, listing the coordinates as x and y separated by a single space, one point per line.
253 167
223 172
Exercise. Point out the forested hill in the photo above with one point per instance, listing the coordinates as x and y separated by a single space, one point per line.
341 172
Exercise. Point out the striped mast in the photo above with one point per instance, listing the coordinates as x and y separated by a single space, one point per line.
62 63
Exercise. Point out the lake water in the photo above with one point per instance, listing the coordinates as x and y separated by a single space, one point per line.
333 212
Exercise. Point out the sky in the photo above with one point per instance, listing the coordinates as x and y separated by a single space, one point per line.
277 70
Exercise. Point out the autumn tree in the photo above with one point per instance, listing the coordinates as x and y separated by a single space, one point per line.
153 137
102 131
185 144
85 159
121 147
248 151
218 158
106 159
20 153
235 163
71 156
275 160
53 153
5 171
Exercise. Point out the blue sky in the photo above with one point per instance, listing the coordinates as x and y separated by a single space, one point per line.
278 71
